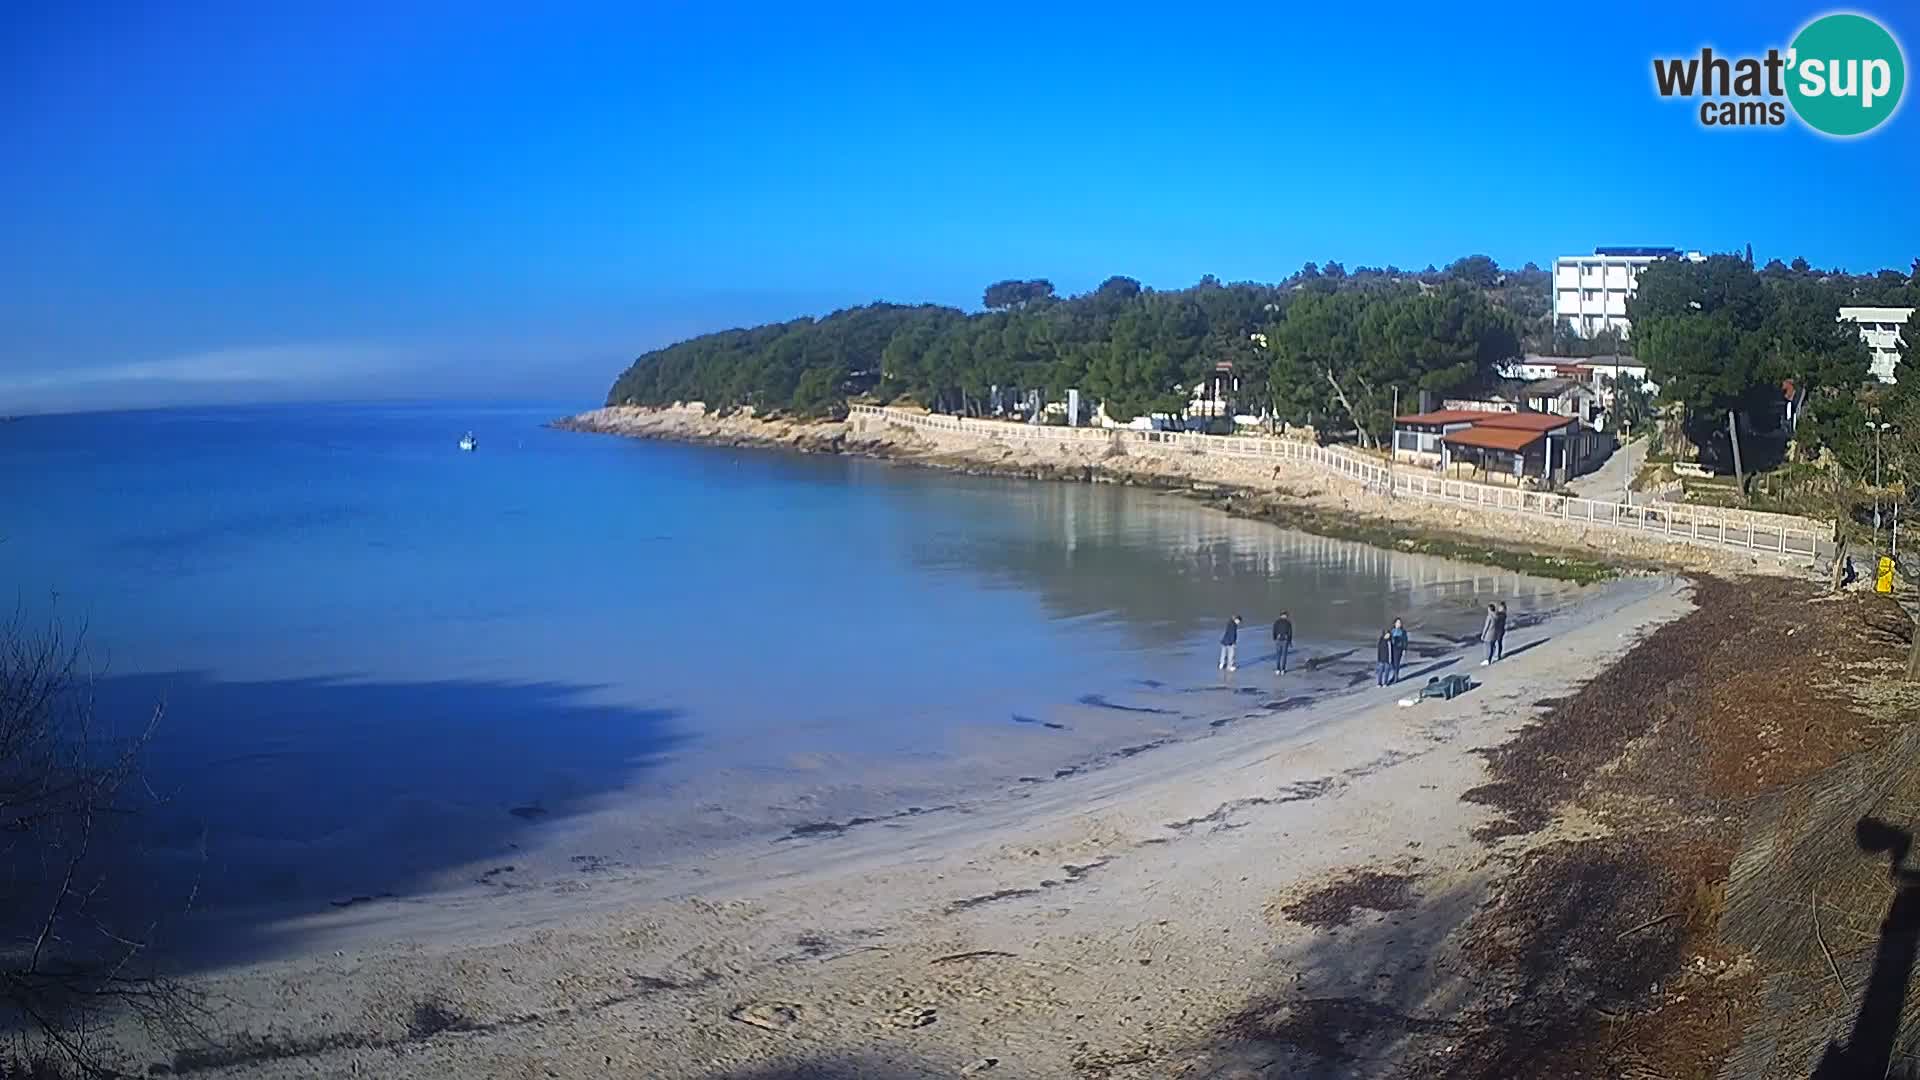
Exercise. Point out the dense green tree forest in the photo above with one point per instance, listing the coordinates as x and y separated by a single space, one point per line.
1327 345
1746 351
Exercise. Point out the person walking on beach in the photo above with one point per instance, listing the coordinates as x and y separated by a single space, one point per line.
1383 658
1486 633
1398 642
1500 632
1229 643
1282 642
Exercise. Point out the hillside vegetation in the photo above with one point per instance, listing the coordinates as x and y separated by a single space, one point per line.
1324 346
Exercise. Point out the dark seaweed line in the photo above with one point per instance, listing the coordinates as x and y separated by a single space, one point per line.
1295 792
837 828
1074 874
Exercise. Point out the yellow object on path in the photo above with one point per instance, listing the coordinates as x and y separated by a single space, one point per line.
1883 582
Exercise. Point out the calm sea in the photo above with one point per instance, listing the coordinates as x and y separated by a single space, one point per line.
386 663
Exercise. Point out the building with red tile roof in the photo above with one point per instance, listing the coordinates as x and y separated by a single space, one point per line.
1496 445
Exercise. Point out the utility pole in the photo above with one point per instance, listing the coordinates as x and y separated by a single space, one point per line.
1393 440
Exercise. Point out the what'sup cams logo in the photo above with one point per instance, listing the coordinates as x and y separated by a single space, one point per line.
1843 76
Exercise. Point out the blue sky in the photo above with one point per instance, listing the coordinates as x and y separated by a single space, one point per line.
254 201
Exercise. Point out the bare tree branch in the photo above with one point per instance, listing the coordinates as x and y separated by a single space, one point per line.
74 950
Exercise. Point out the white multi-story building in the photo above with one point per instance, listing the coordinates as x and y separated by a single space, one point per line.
1884 331
1590 291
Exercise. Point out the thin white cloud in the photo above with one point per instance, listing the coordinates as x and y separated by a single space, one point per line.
233 374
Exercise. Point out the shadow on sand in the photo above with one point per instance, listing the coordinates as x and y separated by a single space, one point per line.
1518 649
1868 1051
304 796
1438 665
851 1066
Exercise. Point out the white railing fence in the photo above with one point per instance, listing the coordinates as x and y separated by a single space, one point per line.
1706 526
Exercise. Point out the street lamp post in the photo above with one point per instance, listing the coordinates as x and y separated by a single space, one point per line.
1626 474
1877 429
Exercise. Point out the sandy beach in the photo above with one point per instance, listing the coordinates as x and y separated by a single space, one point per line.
1120 921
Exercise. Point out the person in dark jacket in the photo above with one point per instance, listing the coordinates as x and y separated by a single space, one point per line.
1486 632
1383 658
1229 643
1398 639
1282 642
1500 632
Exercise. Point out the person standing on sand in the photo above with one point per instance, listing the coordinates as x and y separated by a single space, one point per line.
1500 632
1486 633
1282 642
1229 643
1382 658
1398 642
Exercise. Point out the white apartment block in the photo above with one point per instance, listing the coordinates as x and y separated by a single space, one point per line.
1590 291
1884 331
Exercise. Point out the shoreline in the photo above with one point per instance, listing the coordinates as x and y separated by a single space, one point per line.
1290 498
1132 720
1571 871
1104 925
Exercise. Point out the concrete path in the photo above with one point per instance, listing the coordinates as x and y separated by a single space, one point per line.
1608 482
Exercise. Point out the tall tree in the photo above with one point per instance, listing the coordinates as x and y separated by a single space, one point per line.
1821 357
1632 408
1316 352
1002 295
1721 343
1479 271
1438 342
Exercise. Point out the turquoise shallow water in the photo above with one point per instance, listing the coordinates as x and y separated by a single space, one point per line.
384 660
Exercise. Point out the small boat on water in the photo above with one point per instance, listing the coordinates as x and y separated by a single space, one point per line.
468 442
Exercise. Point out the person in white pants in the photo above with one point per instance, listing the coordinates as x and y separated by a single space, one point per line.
1229 644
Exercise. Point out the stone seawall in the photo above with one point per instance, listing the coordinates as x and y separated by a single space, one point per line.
1289 493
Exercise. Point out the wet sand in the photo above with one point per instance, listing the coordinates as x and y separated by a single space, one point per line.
1104 922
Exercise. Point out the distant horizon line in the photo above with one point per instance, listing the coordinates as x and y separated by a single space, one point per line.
563 404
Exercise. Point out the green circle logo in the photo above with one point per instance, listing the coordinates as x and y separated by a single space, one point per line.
1846 74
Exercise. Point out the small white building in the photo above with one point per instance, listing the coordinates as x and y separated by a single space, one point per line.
1535 366
1607 368
1574 398
1490 401
1884 331
1590 292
